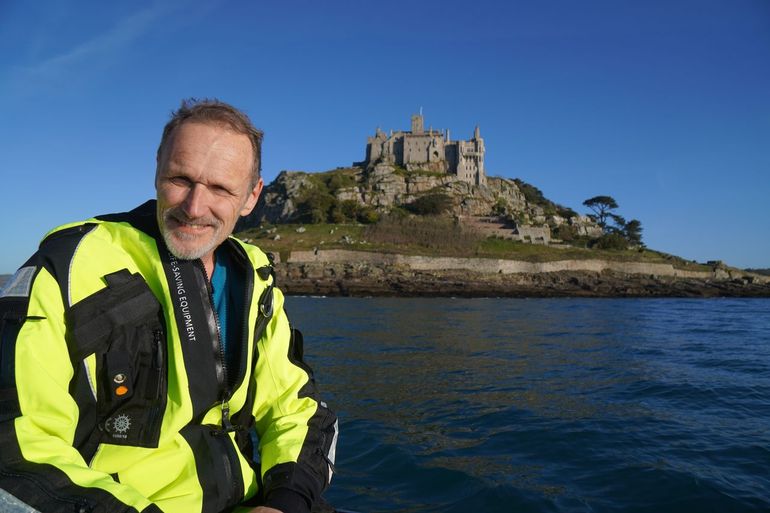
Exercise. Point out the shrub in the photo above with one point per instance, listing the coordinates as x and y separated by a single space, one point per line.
531 193
564 232
368 215
315 206
430 204
339 180
610 241
336 215
500 207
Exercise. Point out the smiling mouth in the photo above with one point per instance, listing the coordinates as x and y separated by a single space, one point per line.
175 222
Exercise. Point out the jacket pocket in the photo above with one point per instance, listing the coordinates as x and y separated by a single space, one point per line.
122 325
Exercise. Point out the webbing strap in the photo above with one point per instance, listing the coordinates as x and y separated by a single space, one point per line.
244 420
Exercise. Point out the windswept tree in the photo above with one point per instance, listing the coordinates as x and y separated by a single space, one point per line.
633 231
602 207
620 224
619 233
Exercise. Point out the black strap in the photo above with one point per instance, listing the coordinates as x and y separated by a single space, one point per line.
244 421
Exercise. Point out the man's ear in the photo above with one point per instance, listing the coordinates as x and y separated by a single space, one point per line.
157 169
251 200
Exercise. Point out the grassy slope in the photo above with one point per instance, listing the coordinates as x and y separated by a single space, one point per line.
319 236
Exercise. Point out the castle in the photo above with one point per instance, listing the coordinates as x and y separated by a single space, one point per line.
430 150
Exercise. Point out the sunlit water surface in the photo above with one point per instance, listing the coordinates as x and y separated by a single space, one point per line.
516 405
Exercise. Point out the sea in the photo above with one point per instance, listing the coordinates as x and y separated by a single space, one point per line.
544 405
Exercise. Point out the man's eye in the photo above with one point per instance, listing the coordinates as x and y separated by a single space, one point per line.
218 189
180 181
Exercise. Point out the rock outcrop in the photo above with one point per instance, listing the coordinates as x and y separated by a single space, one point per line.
359 274
384 187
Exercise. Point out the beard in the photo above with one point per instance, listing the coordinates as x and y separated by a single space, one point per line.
190 246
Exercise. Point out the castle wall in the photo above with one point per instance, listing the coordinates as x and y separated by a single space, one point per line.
423 148
465 159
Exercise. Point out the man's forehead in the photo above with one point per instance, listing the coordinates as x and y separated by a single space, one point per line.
193 138
221 128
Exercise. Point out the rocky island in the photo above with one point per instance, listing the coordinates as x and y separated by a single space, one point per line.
420 217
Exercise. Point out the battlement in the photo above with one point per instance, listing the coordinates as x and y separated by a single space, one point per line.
431 150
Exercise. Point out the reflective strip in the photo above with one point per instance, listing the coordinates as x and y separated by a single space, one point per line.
11 504
69 272
333 449
20 283
89 378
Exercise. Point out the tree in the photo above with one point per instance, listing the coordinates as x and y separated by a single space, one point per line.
633 231
602 207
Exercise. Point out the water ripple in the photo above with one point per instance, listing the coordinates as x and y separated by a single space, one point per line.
634 405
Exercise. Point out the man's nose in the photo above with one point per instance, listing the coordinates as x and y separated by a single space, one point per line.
194 201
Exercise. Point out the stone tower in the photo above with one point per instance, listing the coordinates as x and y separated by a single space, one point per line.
417 124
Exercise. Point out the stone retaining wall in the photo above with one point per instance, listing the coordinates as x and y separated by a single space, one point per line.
491 265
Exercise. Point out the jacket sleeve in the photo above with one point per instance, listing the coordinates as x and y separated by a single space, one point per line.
38 462
297 431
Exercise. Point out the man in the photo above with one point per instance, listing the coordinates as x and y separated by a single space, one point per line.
143 353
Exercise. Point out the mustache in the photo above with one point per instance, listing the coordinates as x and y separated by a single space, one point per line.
179 215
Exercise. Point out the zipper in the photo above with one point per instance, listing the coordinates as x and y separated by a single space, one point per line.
227 425
224 392
158 361
158 367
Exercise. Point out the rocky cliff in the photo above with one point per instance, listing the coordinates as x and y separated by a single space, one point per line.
296 196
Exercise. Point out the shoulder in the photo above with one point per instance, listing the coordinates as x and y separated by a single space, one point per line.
257 257
78 254
139 221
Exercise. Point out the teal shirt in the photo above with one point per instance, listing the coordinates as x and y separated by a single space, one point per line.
228 301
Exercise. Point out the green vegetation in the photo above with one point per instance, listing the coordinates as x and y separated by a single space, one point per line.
282 239
400 171
565 233
430 204
429 235
319 204
332 181
400 232
611 241
535 196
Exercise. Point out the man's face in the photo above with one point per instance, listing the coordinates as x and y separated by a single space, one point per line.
203 184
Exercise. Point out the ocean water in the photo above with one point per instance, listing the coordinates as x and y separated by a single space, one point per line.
545 405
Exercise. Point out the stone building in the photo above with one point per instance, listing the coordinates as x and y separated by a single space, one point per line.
429 150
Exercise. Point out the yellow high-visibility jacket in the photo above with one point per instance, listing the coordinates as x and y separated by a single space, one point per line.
114 393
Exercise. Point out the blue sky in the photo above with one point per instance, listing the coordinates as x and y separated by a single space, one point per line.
662 104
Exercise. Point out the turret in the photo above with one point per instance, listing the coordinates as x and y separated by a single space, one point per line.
477 133
417 124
